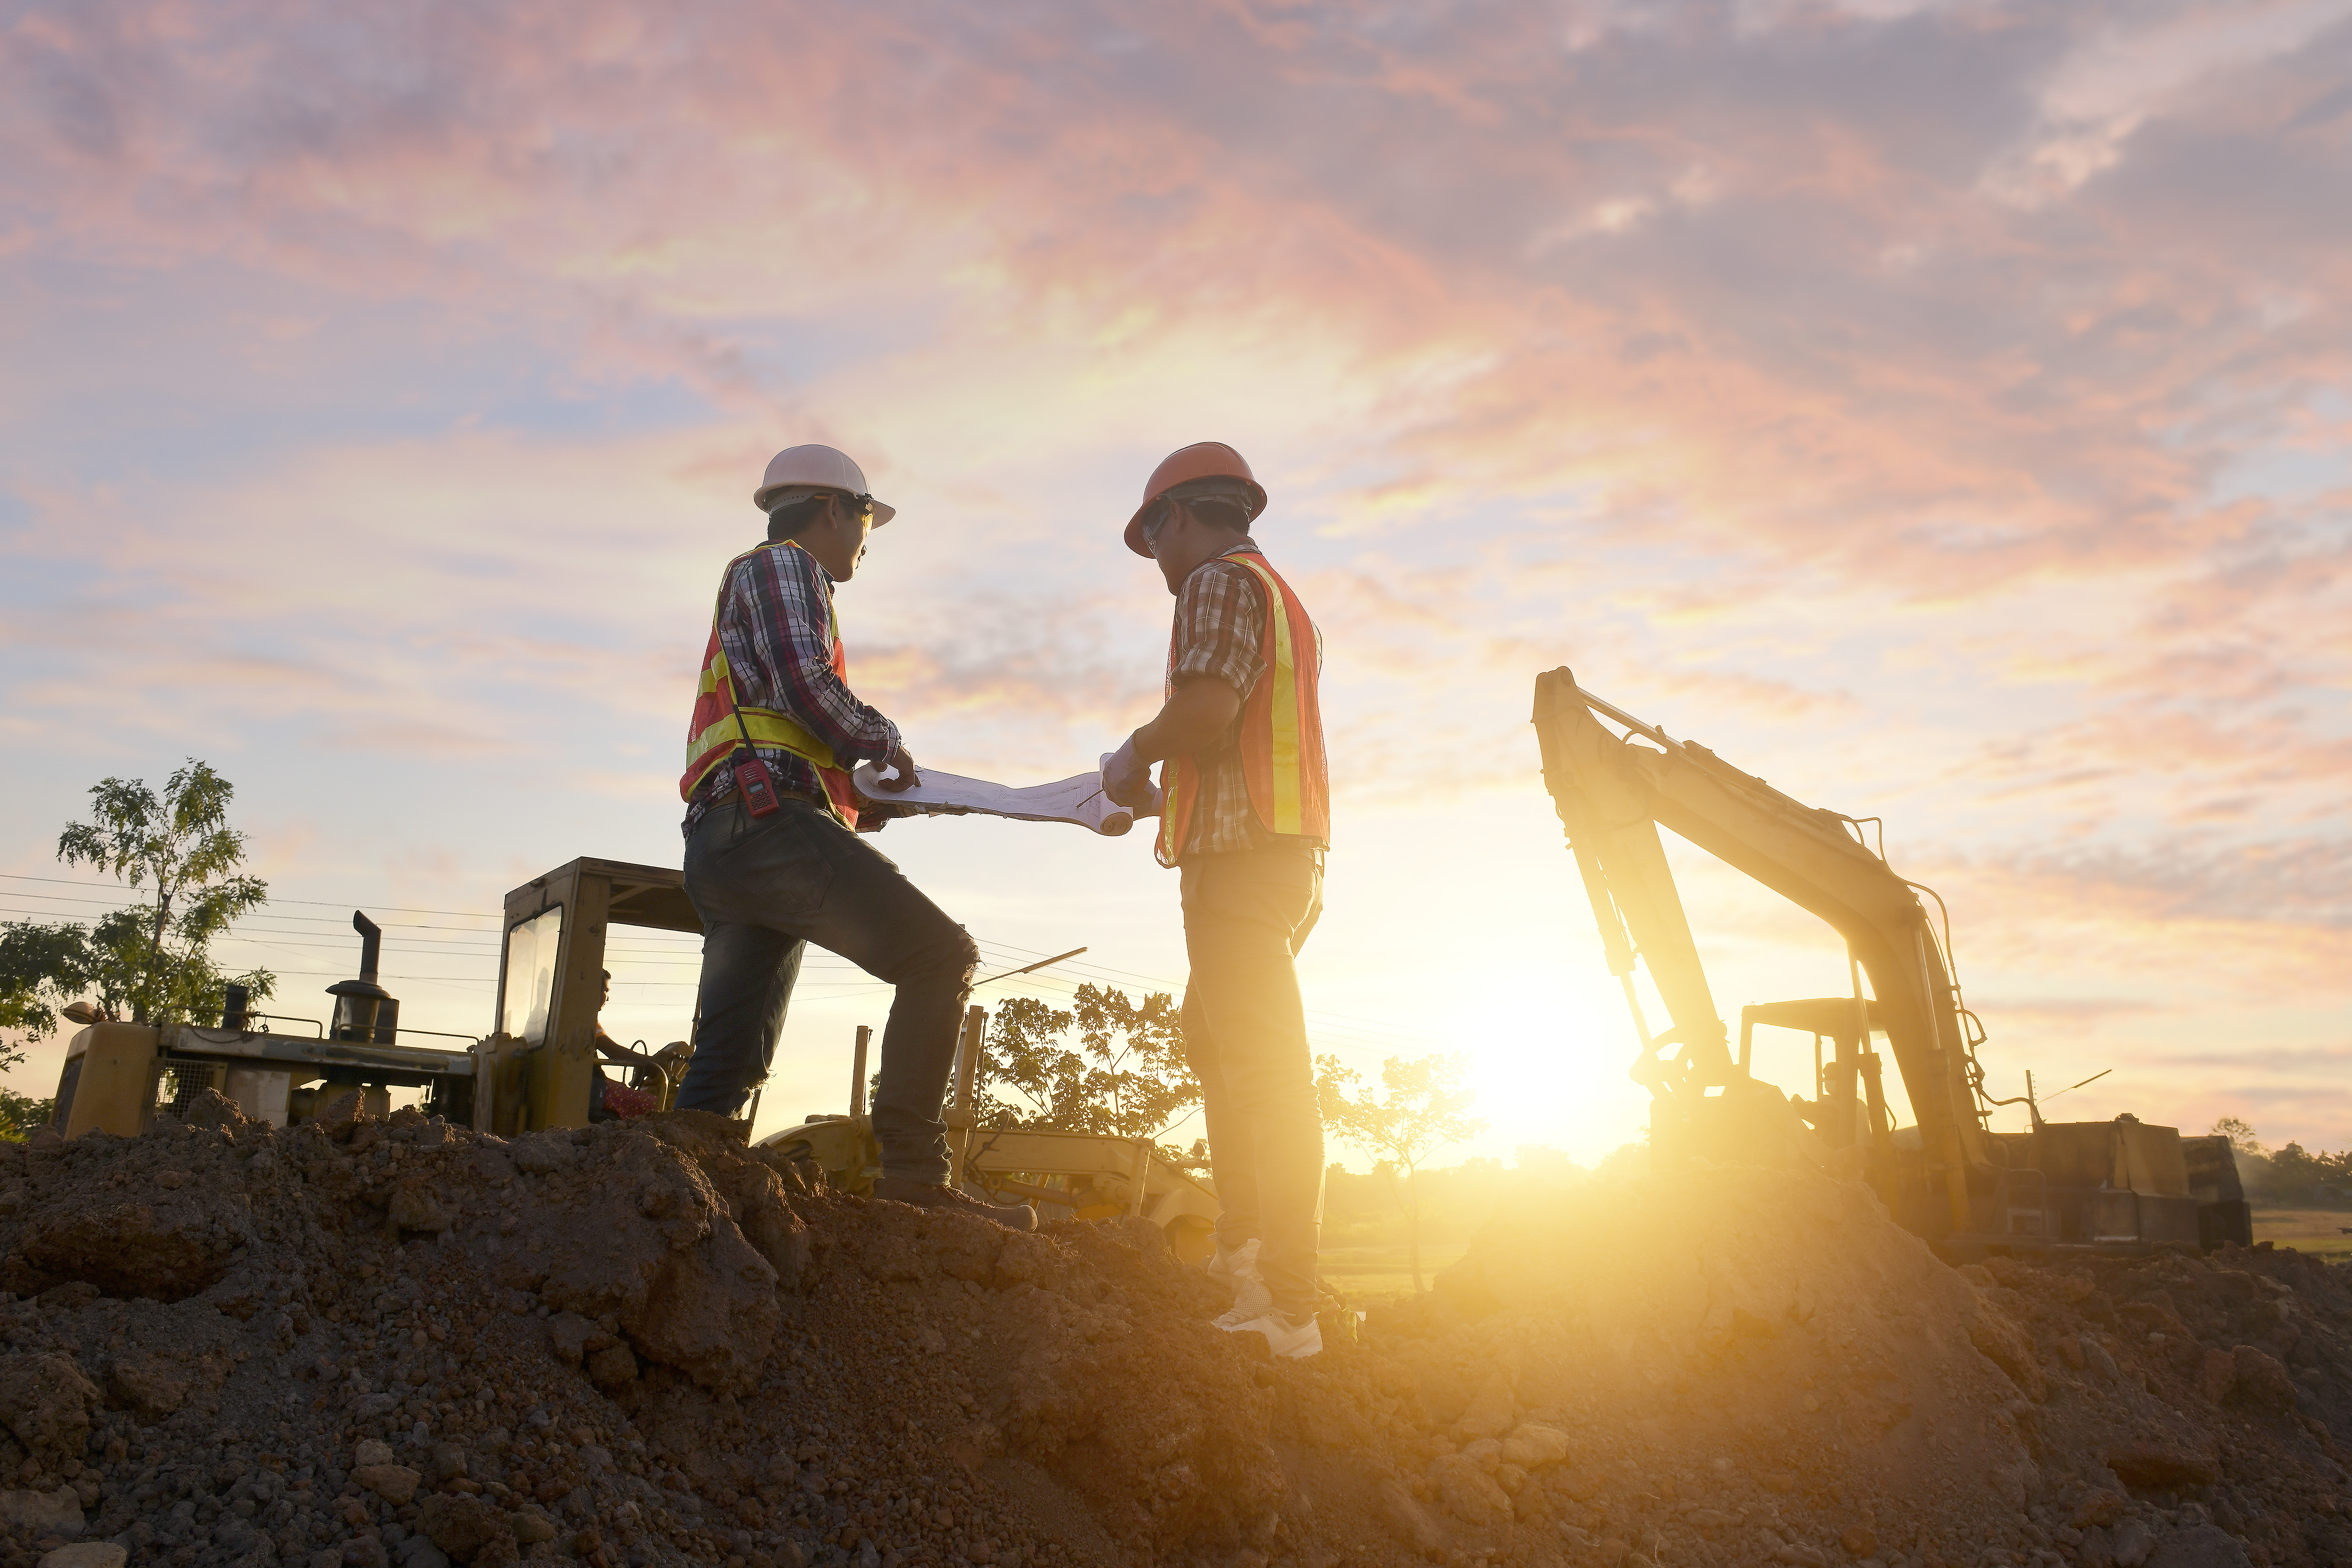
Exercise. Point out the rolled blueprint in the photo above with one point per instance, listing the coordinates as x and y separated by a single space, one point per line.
1078 800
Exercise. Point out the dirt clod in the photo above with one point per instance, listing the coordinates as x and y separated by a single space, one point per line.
44 1402
464 1526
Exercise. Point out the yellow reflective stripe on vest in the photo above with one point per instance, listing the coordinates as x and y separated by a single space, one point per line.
1286 753
1278 751
777 732
768 727
717 741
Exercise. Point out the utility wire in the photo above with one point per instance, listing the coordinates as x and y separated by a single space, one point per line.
1339 1028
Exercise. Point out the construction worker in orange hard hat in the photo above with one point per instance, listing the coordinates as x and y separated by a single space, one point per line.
773 859
1246 821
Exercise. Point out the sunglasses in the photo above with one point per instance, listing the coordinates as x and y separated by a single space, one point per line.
861 506
1155 519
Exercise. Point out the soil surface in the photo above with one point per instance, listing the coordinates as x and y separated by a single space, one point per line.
357 1343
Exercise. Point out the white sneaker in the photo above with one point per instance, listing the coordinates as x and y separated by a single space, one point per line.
1229 1261
1238 1269
1292 1338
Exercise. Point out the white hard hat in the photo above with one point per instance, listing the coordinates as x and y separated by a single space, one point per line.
816 467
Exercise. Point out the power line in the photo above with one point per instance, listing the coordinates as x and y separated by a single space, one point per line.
1340 1027
315 903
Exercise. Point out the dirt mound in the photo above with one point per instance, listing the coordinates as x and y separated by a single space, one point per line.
1758 1366
364 1344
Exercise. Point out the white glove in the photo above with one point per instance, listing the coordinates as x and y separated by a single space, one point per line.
1129 782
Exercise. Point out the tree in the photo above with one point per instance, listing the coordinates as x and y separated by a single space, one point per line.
154 958
2240 1133
19 1114
1126 1077
1426 1109
40 967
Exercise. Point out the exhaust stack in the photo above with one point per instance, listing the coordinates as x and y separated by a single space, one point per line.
371 944
364 1010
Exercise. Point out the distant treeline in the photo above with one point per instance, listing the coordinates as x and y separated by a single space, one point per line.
2293 1177
1362 1210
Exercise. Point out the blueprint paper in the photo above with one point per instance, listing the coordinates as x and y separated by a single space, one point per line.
1079 799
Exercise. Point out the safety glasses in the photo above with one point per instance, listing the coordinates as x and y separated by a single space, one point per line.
1154 520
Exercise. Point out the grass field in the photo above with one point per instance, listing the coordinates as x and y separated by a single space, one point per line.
2318 1231
1368 1275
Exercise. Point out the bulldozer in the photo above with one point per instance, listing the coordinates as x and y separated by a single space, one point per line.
2057 1188
540 1062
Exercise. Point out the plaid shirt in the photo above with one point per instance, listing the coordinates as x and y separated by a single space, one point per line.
775 621
1220 632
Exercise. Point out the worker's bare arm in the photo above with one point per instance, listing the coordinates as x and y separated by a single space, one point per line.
1197 716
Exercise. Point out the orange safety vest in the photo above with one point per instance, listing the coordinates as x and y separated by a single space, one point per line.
1281 731
714 734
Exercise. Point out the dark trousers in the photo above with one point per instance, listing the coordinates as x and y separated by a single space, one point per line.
765 889
1246 915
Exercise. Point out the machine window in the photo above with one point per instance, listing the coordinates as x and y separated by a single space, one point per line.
530 975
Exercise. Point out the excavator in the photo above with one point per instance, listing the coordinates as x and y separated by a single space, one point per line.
2120 1186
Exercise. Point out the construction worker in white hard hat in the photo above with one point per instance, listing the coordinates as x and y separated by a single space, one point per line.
1247 820
773 860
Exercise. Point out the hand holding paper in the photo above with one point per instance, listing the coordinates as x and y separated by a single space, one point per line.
1080 799
1125 780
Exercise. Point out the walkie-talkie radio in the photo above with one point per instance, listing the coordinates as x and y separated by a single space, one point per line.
753 782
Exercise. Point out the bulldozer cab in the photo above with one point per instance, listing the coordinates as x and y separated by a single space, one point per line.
537 1068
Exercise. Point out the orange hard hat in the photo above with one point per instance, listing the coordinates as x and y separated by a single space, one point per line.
1200 460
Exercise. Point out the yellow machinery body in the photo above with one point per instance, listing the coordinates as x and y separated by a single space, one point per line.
109 1082
538 1067
1090 1175
114 1073
1948 1176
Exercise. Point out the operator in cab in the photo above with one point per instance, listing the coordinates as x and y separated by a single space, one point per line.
1245 821
773 858
612 1100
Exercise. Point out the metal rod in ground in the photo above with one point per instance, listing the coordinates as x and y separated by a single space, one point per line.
857 1072
962 1115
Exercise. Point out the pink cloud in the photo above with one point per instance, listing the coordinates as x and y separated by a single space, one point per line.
1908 400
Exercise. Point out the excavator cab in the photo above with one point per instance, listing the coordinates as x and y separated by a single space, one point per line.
1848 1108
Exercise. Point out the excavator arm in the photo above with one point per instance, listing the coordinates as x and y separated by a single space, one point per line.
1613 795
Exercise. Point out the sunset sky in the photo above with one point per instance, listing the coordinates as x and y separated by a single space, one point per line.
1939 409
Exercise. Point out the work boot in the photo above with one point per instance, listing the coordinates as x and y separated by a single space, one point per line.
1289 1337
937 1195
1236 1268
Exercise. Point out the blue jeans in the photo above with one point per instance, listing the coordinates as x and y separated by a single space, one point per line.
1246 914
765 889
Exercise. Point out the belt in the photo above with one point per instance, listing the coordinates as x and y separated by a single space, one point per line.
807 797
